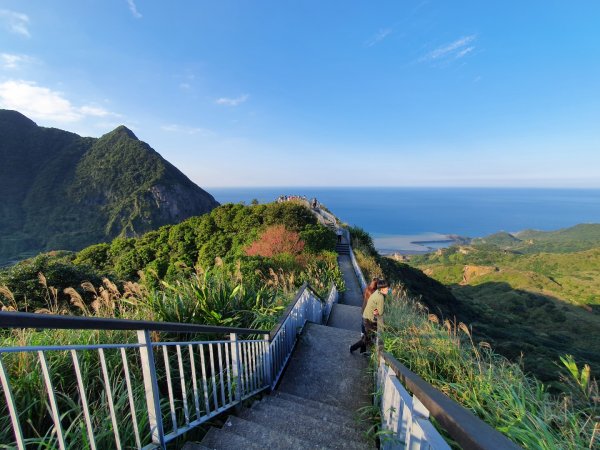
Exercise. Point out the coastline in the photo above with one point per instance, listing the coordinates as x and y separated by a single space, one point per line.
415 244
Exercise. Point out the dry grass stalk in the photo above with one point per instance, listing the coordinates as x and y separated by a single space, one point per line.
7 293
42 280
77 300
433 318
89 287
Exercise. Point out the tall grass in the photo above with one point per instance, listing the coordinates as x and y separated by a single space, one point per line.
213 297
495 389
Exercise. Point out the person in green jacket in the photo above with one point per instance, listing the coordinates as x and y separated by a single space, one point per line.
373 310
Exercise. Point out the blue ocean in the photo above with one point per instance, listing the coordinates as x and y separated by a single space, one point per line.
387 213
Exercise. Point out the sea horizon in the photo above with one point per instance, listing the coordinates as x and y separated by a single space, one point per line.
398 216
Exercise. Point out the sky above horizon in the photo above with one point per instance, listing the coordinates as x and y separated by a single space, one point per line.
282 93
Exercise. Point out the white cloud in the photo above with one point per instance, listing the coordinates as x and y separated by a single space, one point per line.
133 8
378 37
232 101
16 22
174 128
464 51
13 61
453 50
39 102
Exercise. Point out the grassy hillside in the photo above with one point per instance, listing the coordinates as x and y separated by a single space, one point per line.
527 304
61 191
496 390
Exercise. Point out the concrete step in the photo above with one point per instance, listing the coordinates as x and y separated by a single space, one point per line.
194 446
305 428
315 404
322 369
221 439
266 436
351 431
345 316
299 408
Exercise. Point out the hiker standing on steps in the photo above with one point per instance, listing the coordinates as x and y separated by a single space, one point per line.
339 233
373 310
371 287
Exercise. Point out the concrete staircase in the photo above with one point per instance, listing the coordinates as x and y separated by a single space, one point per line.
342 249
316 403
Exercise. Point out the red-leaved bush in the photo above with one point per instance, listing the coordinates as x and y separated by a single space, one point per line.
274 241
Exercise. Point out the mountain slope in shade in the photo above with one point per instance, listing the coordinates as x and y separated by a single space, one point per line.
63 191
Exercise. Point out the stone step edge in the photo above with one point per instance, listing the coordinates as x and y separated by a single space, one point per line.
333 411
351 431
315 403
321 414
216 435
261 416
235 422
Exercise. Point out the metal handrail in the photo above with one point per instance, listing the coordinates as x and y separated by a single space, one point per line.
307 306
290 308
468 430
214 375
51 321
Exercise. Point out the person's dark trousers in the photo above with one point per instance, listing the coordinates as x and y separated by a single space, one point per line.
367 338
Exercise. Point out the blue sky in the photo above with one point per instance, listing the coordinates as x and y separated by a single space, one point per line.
344 93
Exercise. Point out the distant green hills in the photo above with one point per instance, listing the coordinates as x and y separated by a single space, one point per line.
534 293
63 191
580 237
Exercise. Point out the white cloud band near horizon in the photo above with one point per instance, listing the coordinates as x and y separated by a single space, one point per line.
38 102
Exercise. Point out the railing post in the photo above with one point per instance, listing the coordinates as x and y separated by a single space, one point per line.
236 367
267 361
151 388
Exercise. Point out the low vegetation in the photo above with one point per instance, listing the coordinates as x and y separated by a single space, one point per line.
560 408
238 266
498 391
531 306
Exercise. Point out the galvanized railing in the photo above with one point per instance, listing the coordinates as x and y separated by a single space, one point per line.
142 392
405 417
357 271
306 307
332 298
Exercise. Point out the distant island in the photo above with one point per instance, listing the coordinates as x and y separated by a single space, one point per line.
61 191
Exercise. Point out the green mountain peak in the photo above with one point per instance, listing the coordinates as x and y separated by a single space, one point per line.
61 191
121 132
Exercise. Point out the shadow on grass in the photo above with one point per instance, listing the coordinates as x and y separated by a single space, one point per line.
529 326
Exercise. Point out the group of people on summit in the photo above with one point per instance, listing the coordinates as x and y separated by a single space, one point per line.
372 309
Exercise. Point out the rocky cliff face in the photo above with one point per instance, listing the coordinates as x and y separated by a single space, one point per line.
63 191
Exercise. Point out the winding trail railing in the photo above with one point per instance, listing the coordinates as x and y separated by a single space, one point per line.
407 404
143 392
